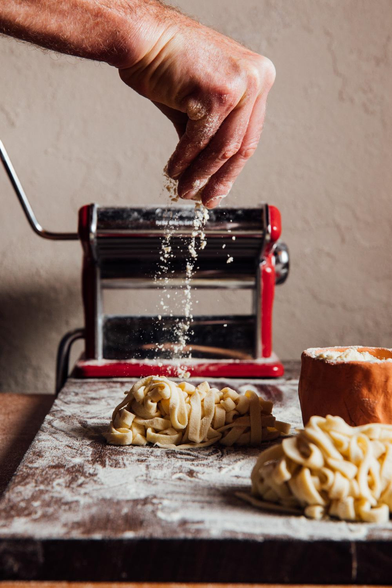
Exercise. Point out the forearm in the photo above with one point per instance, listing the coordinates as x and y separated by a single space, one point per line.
115 31
212 89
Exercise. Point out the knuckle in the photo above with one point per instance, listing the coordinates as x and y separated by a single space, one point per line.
268 72
223 187
246 151
225 98
228 151
195 109
264 72
253 81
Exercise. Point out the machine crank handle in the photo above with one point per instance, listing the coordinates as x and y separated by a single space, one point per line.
63 353
17 186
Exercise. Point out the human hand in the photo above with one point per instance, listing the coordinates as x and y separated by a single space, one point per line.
214 91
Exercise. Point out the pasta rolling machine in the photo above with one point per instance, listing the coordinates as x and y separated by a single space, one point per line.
121 250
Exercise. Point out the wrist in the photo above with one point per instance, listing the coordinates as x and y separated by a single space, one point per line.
139 31
118 32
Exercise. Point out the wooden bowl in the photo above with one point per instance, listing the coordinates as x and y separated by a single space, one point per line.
358 391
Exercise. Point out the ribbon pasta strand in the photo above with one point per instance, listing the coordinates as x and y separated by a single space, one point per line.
329 468
159 411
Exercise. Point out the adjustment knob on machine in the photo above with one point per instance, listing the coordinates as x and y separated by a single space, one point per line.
282 262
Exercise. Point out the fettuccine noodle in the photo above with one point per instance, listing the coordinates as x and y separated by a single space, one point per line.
159 411
329 468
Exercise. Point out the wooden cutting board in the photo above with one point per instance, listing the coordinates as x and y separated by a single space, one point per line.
78 509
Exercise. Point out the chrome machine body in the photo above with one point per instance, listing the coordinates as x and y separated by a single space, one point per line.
121 249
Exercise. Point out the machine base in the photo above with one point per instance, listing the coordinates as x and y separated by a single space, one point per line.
269 367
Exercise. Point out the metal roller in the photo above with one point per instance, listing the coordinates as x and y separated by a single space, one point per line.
121 250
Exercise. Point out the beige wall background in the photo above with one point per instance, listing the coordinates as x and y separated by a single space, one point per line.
76 134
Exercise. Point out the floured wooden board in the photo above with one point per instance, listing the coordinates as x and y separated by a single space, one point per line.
78 509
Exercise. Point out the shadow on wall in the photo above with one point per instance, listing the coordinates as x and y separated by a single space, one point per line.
32 322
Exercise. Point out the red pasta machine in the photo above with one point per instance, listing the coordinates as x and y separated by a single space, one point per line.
121 250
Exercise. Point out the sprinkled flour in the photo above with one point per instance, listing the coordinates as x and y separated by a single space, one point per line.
163 277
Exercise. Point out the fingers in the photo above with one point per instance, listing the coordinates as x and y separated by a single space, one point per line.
220 138
221 182
203 123
221 148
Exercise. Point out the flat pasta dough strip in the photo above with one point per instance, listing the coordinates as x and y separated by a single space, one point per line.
159 411
329 469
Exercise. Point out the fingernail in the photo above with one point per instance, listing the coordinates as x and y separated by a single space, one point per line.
189 195
194 191
173 175
215 201
172 170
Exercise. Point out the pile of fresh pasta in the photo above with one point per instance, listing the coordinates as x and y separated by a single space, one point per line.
161 412
328 469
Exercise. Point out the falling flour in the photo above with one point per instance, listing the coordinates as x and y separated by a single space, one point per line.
181 331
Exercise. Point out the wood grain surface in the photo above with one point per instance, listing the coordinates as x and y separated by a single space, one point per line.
21 415
80 510
18 584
